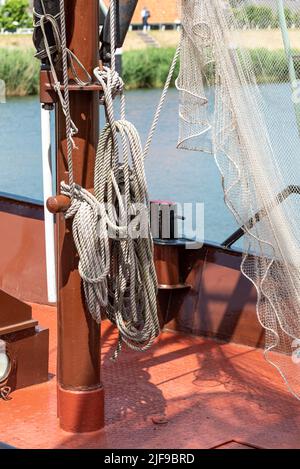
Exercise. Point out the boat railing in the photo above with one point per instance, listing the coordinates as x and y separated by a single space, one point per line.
260 215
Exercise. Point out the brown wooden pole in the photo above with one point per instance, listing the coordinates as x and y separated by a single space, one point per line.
80 394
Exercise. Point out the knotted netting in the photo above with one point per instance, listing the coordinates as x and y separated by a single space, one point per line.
240 101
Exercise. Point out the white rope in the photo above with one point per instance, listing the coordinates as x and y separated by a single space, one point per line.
89 218
60 47
118 273
116 256
162 101
132 283
87 213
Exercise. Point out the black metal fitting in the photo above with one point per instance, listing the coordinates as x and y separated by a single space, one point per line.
124 12
41 7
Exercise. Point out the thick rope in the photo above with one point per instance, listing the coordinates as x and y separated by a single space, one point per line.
120 183
89 219
86 212
111 229
132 282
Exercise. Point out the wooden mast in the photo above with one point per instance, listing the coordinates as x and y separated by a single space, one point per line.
80 393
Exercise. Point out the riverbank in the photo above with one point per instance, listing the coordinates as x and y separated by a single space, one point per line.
141 68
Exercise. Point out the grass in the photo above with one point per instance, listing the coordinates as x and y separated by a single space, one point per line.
141 68
20 71
275 66
147 69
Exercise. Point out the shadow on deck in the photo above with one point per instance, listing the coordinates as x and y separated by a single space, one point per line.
187 392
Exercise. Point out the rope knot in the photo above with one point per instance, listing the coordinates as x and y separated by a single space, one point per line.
5 393
89 217
57 86
110 79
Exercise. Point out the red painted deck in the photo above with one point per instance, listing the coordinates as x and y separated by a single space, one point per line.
209 394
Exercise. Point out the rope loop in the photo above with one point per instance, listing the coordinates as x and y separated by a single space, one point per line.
89 225
5 392
111 229
108 78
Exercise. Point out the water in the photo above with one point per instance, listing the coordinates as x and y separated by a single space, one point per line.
172 174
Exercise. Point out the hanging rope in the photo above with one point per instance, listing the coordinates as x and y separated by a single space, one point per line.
60 48
94 264
162 100
120 183
111 229
84 209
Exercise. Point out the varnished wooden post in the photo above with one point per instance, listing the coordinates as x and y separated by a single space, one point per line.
80 394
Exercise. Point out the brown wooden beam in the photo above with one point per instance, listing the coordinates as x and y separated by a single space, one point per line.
80 394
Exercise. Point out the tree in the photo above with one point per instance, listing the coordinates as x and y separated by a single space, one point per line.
14 14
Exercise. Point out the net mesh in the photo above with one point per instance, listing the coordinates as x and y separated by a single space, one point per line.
240 101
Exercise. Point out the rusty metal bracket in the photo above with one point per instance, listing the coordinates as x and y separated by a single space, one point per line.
48 94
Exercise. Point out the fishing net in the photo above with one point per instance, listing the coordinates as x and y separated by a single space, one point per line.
240 101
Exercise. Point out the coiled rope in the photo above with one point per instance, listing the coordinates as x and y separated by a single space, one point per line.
132 283
111 229
120 182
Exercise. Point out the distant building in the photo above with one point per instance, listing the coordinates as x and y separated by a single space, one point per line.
163 13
